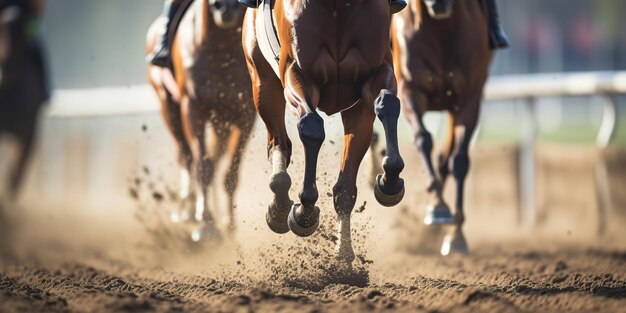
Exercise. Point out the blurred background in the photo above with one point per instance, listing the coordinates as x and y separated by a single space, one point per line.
102 127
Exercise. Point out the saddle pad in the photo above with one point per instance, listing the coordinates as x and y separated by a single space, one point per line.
267 36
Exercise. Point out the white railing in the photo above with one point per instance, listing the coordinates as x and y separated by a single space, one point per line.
532 87
141 99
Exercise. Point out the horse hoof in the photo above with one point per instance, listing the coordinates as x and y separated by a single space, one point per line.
385 199
454 244
438 214
207 231
277 222
303 222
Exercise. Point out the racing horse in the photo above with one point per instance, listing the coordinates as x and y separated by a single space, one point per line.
23 89
442 56
334 56
206 83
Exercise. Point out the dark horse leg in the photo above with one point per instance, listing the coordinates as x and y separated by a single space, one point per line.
389 188
304 216
439 212
25 141
464 127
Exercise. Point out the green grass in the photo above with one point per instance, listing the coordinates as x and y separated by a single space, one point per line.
567 134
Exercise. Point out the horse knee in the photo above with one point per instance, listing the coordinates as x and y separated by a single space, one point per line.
344 198
424 142
387 105
311 130
460 165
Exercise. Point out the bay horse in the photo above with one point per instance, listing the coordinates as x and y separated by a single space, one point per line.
442 56
23 90
207 83
334 56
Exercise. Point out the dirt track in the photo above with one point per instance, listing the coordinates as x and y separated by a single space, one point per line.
493 278
58 262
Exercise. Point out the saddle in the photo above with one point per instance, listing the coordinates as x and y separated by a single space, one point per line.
175 23
267 35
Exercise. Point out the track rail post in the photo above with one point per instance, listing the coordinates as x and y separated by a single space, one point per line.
606 134
527 164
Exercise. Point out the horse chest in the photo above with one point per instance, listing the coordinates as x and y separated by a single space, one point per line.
218 75
442 88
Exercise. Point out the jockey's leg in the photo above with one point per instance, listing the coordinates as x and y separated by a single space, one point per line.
253 4
497 37
396 5
160 56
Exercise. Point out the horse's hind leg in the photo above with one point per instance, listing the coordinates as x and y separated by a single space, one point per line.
358 126
375 155
463 131
304 217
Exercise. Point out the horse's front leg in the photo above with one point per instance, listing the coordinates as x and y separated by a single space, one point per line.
304 97
358 128
463 130
172 115
415 104
389 187
203 169
25 144
238 140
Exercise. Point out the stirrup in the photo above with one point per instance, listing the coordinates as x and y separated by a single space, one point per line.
253 4
161 58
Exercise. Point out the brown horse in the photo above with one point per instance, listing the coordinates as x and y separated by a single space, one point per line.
442 56
335 56
210 87
23 90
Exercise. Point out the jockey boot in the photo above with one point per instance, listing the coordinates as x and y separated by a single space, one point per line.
39 58
160 56
397 5
253 4
497 37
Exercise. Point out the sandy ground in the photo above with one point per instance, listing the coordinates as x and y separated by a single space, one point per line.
127 257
